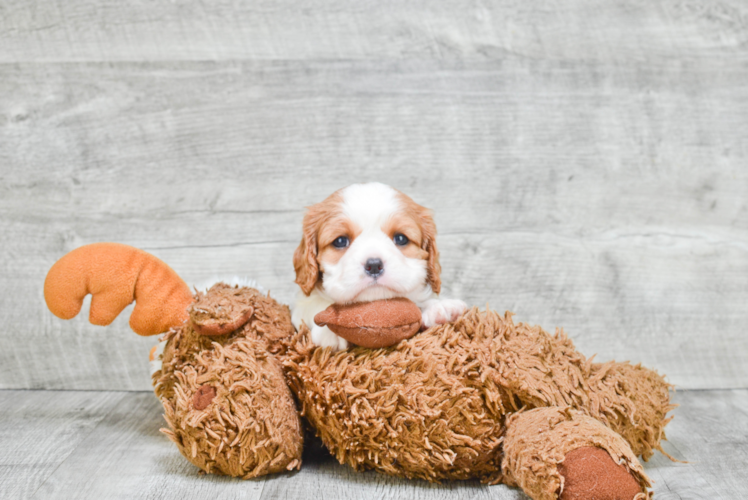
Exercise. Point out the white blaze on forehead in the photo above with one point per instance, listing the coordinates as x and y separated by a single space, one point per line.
370 205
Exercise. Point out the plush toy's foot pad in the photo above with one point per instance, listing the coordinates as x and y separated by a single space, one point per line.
590 473
203 397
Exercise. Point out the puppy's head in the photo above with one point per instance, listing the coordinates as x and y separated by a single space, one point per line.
367 242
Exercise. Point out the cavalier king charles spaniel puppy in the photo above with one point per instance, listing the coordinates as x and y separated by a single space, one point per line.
368 242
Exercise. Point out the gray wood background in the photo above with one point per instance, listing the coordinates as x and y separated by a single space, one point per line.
587 162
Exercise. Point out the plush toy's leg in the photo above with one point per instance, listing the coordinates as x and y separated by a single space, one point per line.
542 370
631 400
559 453
224 393
231 412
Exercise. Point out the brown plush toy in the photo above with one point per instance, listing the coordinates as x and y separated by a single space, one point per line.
373 324
483 397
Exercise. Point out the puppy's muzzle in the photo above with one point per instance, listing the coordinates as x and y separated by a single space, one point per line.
374 267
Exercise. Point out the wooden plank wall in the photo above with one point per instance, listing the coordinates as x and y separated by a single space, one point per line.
587 161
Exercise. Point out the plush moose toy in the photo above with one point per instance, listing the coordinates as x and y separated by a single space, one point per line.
483 397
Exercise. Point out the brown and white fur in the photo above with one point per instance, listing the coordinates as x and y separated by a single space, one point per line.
372 219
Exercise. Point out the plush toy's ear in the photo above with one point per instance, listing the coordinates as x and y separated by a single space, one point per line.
115 275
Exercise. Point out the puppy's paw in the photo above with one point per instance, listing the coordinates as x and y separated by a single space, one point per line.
440 311
324 337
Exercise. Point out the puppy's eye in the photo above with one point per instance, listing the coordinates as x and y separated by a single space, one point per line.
341 242
400 239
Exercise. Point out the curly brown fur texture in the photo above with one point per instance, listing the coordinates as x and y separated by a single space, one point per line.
434 406
251 426
445 404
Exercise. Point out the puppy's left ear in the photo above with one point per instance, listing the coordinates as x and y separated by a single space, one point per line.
433 268
305 260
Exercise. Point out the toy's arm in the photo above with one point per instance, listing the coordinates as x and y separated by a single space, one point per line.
115 275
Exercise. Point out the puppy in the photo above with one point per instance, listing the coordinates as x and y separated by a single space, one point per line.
368 242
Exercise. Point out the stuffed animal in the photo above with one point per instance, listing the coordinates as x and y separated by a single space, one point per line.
483 397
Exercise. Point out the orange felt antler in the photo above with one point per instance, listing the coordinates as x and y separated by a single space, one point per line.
115 275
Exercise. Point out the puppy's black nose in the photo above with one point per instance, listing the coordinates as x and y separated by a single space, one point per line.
374 267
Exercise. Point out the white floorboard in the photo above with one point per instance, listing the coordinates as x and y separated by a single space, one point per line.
73 444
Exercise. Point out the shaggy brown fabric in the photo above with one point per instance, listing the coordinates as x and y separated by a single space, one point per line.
380 323
250 426
434 406
538 441
449 403
269 322
590 472
408 410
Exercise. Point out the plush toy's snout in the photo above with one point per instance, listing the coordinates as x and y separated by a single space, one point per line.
380 323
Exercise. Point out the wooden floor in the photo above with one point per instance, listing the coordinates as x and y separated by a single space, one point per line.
97 444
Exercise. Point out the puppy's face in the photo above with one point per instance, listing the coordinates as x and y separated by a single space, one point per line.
367 242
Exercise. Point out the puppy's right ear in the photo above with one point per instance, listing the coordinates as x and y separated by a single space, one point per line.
305 259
